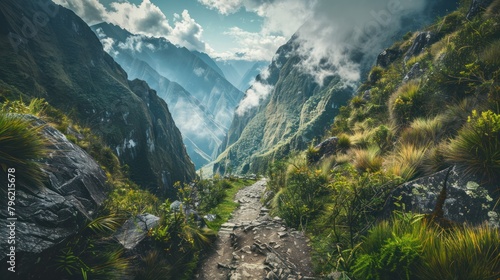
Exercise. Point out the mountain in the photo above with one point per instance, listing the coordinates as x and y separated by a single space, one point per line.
201 99
286 108
295 110
64 62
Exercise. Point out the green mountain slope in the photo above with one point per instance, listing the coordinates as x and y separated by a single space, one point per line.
63 61
294 112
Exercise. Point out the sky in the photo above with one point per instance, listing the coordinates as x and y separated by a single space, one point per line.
226 29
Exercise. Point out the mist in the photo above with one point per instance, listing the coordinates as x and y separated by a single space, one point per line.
340 30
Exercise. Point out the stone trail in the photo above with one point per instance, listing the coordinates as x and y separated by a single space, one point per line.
253 245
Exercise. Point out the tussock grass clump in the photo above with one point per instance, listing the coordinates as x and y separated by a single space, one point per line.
476 149
409 247
361 139
20 147
368 160
344 142
407 161
491 54
423 132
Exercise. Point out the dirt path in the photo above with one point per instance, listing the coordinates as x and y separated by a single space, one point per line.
252 245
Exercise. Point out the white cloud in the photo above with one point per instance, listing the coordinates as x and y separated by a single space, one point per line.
253 96
92 11
145 18
199 71
187 32
107 43
252 45
224 7
133 43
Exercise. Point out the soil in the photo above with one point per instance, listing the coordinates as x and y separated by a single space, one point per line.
253 245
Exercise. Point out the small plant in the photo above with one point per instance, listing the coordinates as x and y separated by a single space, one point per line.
476 149
383 137
375 74
301 200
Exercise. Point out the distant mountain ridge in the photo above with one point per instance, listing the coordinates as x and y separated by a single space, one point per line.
201 99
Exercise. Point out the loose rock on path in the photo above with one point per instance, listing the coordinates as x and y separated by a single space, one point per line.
253 245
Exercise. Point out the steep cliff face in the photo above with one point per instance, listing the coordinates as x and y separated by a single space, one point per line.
294 110
201 99
47 51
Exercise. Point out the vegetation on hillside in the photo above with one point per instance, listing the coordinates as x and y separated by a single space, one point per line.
396 129
177 242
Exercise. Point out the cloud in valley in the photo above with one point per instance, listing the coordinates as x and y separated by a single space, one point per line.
253 96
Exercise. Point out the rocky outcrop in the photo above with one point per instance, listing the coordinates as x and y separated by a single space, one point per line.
476 7
327 147
415 72
64 62
135 230
50 214
422 40
450 194
387 57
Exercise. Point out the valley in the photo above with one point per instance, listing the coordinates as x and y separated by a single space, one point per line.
283 139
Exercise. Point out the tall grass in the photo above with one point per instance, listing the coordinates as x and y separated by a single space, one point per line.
389 251
407 161
423 132
20 147
476 149
368 160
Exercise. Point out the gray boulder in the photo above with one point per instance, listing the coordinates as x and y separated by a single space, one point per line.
466 200
49 215
135 229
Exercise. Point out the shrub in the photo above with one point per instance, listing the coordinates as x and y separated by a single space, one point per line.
383 137
357 102
367 160
211 193
476 149
405 104
303 196
20 147
375 74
